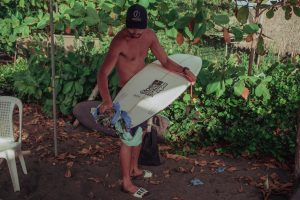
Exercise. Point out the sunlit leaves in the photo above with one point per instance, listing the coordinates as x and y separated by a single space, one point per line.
262 91
199 29
144 3
172 33
250 28
238 87
238 34
183 22
220 19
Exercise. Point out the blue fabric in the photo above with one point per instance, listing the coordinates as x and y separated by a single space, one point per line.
121 121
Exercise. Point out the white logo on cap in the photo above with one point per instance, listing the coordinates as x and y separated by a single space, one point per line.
136 14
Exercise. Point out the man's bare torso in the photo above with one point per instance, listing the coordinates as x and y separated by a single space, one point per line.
133 53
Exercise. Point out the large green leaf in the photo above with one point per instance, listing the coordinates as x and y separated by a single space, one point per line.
251 28
220 19
288 12
199 29
259 90
92 16
44 21
173 15
78 10
270 13
120 3
262 90
78 88
144 3
200 17
260 48
76 22
296 11
30 20
213 87
238 34
243 14
160 24
183 22
68 87
188 33
172 33
238 87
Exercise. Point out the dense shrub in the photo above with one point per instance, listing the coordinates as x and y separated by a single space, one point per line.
7 76
256 125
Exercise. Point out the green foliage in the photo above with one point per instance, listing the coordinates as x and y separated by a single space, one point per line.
8 73
256 125
75 76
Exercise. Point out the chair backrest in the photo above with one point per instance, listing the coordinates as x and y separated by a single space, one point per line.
7 105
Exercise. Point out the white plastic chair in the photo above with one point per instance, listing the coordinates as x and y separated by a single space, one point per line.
9 148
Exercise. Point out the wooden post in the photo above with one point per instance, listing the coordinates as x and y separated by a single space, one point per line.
297 155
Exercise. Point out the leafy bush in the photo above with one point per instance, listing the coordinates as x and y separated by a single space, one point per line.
75 76
258 125
8 73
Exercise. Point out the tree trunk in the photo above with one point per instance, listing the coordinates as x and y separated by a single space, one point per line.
297 155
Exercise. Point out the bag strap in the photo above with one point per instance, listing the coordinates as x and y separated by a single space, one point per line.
149 124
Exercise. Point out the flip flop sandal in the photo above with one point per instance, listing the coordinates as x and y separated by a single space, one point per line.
140 193
145 174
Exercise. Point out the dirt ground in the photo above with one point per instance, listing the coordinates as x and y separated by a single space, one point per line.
87 168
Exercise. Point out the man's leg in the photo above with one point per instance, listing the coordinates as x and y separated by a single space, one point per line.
134 169
125 161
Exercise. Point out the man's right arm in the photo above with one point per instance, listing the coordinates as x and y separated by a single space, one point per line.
102 76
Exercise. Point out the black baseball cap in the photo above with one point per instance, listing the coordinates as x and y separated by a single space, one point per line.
136 17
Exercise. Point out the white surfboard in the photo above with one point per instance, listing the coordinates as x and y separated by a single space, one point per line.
154 88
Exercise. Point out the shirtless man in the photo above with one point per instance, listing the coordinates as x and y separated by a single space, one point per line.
127 52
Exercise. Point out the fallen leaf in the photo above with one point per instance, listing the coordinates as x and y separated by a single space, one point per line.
177 198
164 147
270 165
84 151
232 169
71 156
95 179
175 157
155 182
201 163
62 156
181 170
81 141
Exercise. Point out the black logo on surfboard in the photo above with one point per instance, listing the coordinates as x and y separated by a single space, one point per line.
155 88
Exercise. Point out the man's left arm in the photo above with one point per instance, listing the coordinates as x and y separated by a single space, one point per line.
166 62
